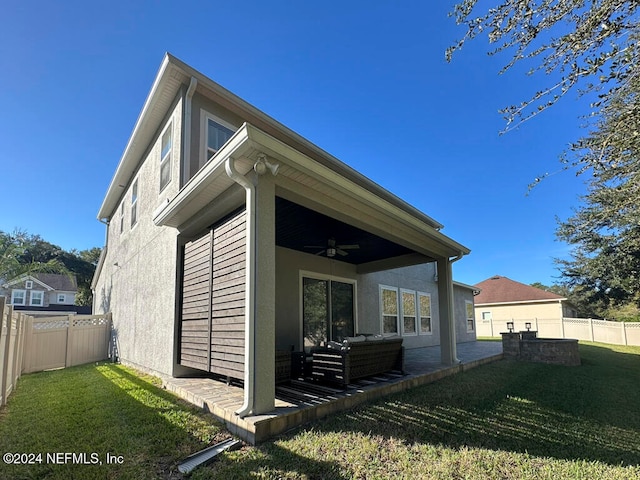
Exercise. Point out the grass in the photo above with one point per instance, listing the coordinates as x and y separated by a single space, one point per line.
101 409
505 420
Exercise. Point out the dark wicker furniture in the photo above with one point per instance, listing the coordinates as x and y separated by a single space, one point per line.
358 360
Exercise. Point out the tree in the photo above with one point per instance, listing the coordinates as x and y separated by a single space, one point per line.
22 253
592 46
16 260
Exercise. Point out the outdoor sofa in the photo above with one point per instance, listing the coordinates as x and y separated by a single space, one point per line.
357 357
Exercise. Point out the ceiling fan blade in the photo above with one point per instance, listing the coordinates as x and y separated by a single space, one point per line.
314 246
341 252
320 252
349 247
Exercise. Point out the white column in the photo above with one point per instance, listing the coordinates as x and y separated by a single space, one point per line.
448 350
265 297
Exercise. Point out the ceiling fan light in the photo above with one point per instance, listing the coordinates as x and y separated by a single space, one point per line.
331 252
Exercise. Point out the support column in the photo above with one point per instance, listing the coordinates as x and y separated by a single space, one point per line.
265 296
448 350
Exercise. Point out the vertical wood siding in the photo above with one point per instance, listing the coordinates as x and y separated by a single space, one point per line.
213 306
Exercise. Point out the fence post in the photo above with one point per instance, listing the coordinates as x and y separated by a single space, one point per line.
108 334
624 333
562 327
4 340
591 328
17 363
68 354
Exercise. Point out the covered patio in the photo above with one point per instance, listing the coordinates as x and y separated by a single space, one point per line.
301 402
264 219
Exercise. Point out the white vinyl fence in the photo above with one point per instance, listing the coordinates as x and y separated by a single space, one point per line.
29 344
603 331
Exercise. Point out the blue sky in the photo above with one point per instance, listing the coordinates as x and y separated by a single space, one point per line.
366 81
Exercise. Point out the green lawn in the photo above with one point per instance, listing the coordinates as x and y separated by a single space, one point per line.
505 420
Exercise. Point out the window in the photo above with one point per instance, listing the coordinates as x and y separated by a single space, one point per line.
409 316
486 316
165 157
122 217
470 316
134 203
216 132
328 309
37 298
414 308
424 305
61 298
28 284
18 297
389 309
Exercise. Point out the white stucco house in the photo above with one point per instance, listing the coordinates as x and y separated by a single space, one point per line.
230 237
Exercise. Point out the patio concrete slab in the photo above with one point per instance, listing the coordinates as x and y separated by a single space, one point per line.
300 402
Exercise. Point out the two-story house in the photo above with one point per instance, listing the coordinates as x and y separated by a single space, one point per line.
42 293
229 237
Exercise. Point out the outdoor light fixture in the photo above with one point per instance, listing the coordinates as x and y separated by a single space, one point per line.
510 327
262 165
528 326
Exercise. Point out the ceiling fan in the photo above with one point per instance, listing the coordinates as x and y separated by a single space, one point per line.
332 248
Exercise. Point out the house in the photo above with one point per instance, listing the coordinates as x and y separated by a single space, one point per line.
501 300
231 237
42 293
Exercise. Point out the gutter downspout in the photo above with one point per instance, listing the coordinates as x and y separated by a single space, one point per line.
98 270
186 157
249 317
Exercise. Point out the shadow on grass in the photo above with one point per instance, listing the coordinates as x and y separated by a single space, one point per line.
573 413
101 409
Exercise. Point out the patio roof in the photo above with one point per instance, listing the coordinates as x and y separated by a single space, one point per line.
328 204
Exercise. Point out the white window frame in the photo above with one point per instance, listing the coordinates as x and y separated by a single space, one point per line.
134 203
381 288
411 293
36 293
61 297
486 316
28 284
13 296
470 319
420 315
166 159
204 133
122 217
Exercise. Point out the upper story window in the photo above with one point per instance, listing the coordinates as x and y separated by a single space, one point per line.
134 202
18 297
61 298
122 217
165 157
28 284
216 133
37 298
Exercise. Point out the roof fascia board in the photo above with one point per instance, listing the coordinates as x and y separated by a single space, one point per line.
329 176
548 300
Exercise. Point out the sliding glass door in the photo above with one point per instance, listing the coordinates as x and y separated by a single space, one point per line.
328 311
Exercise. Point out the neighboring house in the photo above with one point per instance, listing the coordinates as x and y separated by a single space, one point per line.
42 293
502 299
230 237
